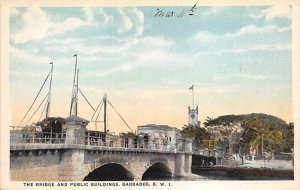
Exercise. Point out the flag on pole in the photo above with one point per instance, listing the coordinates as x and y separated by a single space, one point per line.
192 87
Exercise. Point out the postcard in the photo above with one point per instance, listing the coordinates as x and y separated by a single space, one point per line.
158 95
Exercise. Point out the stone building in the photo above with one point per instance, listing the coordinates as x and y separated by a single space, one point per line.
159 136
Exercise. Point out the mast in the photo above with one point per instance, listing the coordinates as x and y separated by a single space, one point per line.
104 115
76 105
73 108
49 93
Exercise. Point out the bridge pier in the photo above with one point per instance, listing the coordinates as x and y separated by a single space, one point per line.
188 164
183 159
72 164
188 156
179 165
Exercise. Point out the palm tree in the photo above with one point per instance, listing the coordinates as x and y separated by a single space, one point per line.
262 133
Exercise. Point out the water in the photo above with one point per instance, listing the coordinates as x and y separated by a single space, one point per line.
195 177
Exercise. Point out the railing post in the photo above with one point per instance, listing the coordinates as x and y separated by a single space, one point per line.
76 128
88 138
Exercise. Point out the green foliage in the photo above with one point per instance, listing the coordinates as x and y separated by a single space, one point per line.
225 133
199 135
288 139
258 132
232 119
276 134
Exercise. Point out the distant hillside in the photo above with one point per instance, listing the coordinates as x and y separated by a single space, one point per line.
236 119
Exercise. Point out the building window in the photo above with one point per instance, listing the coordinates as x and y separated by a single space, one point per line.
170 139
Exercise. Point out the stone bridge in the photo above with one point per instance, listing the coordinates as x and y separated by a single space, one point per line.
76 160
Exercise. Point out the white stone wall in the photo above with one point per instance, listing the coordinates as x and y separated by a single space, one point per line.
161 135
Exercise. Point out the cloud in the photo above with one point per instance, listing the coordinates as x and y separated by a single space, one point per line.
285 29
82 47
270 47
73 23
69 24
36 24
255 16
277 11
253 76
27 57
89 15
206 36
155 41
145 52
125 67
131 19
107 18
139 22
234 76
214 10
245 30
125 23
251 29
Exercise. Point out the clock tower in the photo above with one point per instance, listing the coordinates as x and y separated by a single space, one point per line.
193 117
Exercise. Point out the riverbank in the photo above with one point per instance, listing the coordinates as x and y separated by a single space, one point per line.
250 170
272 164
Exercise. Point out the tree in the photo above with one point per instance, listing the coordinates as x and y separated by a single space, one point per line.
288 139
262 134
199 135
207 121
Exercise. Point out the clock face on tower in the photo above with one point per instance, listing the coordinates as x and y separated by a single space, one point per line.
192 116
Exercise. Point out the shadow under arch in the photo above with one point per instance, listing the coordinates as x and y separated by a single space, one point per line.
158 171
110 172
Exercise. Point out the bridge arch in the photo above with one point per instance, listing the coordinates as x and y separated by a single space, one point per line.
110 172
157 171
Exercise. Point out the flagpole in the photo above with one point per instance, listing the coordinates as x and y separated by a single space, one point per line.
193 98
192 88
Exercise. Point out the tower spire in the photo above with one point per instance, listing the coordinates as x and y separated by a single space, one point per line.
193 113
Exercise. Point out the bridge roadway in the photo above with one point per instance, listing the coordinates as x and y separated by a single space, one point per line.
75 160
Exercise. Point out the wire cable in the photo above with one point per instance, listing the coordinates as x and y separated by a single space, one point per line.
120 115
36 97
38 108
86 99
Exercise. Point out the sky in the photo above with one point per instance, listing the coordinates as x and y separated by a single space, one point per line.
239 60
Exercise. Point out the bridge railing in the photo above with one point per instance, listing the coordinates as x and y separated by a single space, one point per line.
19 137
119 142
37 137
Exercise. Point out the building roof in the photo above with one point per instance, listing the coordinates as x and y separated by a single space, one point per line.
157 127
